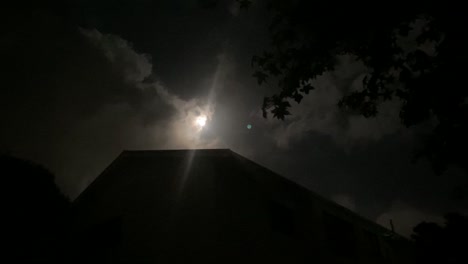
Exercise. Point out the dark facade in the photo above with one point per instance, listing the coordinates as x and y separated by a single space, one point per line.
215 206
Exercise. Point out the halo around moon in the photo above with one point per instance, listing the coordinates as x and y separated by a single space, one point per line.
200 121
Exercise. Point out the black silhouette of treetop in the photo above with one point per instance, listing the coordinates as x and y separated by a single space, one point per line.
33 212
415 52
442 244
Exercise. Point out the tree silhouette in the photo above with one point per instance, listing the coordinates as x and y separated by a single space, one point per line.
33 212
414 52
442 244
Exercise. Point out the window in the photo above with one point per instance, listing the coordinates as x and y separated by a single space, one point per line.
282 219
340 236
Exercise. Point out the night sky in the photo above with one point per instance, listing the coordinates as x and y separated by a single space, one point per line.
82 81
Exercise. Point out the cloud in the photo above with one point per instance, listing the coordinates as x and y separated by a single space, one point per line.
184 131
87 96
405 218
344 200
176 130
136 66
234 8
319 112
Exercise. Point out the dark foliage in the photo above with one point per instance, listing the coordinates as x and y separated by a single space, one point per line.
33 212
442 244
413 51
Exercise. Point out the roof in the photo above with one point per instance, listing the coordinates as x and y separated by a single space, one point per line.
258 173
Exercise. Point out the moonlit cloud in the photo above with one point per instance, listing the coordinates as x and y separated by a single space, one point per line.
345 201
405 217
109 100
184 133
200 121
319 112
179 131
136 66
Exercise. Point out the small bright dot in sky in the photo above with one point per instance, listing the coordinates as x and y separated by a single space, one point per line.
249 126
201 121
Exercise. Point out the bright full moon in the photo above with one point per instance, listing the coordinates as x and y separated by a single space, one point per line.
201 121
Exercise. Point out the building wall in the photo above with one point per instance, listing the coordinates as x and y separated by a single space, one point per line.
216 206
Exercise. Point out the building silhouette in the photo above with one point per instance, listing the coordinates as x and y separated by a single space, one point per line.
215 206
